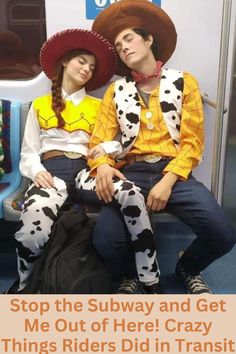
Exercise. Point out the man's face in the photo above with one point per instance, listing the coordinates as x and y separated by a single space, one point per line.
131 47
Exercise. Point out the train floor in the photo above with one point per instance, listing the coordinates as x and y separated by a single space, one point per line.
171 238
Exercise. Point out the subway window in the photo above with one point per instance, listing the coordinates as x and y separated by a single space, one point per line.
22 33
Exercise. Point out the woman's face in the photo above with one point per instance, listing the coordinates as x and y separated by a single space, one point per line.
79 70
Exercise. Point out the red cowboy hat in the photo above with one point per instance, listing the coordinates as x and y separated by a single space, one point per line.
143 14
71 39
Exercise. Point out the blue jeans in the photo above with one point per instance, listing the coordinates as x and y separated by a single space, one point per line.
190 200
64 168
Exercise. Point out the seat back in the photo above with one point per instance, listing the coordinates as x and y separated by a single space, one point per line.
11 112
13 201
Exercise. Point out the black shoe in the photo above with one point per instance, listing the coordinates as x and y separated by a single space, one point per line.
194 284
153 289
128 286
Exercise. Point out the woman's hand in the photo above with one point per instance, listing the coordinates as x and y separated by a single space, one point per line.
44 179
95 152
159 195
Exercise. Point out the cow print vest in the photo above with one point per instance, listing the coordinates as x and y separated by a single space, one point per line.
128 107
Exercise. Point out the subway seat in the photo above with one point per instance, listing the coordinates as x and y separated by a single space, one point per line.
13 202
11 213
11 118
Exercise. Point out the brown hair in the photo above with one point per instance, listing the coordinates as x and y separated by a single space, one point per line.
58 103
145 34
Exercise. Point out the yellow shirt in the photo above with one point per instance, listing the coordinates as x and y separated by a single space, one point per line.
158 140
76 117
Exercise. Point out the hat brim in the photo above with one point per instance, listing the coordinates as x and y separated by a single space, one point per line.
143 14
62 42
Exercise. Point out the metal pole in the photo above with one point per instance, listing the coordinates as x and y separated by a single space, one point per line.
220 99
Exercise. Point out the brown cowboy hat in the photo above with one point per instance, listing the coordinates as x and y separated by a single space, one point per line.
71 39
137 14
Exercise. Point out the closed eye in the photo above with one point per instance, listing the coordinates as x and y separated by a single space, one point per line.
127 38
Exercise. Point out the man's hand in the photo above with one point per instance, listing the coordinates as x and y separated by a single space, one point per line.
104 181
44 179
161 192
95 152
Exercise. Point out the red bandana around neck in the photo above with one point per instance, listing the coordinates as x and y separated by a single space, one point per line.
139 77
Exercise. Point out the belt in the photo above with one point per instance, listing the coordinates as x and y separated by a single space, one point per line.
69 154
150 158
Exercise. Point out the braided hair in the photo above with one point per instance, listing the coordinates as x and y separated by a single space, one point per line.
58 103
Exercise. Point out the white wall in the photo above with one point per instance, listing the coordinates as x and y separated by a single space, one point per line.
198 24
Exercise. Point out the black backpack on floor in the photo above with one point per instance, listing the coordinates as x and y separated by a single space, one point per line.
69 263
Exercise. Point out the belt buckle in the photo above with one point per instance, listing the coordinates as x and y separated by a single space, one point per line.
72 155
152 158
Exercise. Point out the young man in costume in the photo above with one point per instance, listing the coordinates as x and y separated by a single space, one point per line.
157 115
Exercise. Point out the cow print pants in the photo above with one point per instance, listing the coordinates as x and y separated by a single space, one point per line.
132 206
38 215
40 211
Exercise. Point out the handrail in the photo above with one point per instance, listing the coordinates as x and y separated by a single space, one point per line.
211 103
217 167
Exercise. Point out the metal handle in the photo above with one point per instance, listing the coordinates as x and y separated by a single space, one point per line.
211 103
218 144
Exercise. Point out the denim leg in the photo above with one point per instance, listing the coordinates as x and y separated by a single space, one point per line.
64 168
192 202
195 205
113 243
130 201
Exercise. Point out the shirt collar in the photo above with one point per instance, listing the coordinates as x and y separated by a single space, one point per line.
75 97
